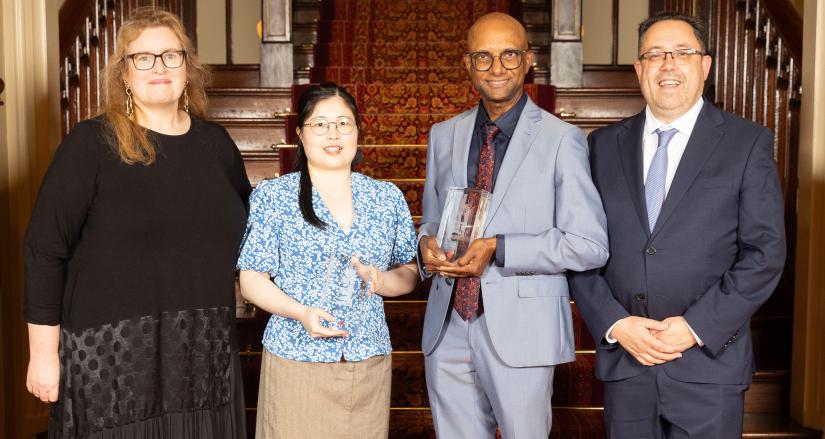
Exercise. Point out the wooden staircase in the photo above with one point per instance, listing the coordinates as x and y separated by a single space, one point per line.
401 61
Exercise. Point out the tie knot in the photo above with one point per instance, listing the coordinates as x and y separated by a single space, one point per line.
492 130
665 136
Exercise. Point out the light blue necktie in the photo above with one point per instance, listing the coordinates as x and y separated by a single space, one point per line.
656 175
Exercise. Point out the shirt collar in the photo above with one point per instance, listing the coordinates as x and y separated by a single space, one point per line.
507 121
683 123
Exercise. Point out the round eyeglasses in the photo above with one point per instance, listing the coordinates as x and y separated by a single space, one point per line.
319 127
655 58
510 59
172 59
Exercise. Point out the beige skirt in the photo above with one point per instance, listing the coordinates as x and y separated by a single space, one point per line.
299 400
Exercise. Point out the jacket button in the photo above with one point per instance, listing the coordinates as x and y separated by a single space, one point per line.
651 250
449 281
641 297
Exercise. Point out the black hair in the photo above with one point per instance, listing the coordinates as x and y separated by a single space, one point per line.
699 30
306 105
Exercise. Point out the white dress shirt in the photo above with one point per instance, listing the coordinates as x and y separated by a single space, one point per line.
675 149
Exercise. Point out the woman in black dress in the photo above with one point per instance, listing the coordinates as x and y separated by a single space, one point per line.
130 256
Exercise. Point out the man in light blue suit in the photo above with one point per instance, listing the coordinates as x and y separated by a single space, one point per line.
498 319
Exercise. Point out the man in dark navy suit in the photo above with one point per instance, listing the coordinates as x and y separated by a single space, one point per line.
697 244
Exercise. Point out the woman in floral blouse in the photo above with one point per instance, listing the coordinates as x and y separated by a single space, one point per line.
322 246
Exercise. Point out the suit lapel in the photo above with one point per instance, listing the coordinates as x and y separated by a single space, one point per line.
520 143
461 147
630 152
703 141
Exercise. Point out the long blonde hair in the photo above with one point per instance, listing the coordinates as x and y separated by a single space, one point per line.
125 135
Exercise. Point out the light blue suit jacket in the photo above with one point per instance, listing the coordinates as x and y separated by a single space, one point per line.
546 206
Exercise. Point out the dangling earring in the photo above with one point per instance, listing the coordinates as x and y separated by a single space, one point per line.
185 101
129 108
186 97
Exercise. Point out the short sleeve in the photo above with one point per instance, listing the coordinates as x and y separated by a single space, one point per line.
59 215
404 246
259 251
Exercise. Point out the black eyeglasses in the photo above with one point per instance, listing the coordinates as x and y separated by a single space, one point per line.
172 59
319 127
510 59
655 58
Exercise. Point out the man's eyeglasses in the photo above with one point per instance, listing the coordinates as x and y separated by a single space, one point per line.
172 59
655 58
319 127
510 59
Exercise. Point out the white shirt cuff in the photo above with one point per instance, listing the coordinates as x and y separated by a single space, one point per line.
698 340
607 336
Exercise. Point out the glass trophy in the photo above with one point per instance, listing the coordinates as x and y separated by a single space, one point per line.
342 293
462 220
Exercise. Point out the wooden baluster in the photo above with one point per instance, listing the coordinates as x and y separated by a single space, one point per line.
760 88
738 54
724 47
77 100
715 48
747 98
780 140
86 71
65 104
769 89
94 47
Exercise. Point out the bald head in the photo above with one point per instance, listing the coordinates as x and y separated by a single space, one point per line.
497 23
498 61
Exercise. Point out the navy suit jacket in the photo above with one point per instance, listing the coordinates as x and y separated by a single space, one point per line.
715 256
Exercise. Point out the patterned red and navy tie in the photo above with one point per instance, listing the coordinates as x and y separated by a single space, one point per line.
468 288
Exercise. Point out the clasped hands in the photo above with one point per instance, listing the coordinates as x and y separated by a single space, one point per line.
472 263
652 342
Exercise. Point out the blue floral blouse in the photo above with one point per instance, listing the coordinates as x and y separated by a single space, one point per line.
311 265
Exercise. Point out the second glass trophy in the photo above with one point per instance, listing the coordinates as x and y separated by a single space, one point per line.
462 220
